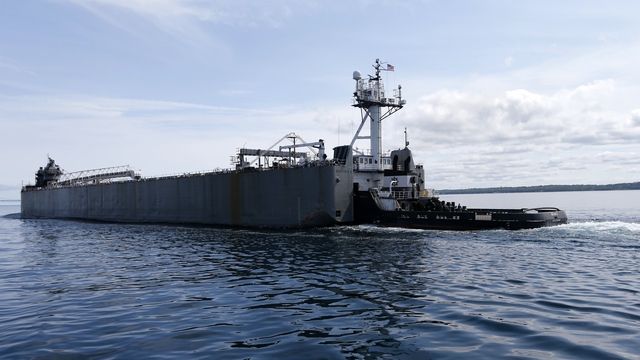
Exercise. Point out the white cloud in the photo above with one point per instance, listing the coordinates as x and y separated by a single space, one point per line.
158 137
635 117
180 17
522 137
509 61
9 64
520 115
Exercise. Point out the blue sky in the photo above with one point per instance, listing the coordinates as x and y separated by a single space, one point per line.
499 93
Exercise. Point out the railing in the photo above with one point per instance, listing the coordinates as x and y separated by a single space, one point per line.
402 194
98 175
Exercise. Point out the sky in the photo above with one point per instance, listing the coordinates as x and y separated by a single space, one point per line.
499 93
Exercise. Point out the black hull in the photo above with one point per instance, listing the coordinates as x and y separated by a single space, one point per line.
367 211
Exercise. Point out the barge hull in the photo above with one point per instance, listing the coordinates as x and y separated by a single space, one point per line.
298 197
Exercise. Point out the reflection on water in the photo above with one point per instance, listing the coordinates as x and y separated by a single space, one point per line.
124 291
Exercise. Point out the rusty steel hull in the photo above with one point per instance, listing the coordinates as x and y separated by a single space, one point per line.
294 197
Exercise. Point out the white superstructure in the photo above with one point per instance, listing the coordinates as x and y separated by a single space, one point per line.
375 106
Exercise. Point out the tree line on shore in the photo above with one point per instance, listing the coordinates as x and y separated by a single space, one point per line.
543 188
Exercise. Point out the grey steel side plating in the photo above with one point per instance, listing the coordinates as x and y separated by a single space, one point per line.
293 197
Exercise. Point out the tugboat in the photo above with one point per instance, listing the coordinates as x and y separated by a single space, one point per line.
390 190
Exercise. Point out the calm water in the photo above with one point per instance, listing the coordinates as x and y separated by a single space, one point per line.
93 290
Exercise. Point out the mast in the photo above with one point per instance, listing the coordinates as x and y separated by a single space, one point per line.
375 107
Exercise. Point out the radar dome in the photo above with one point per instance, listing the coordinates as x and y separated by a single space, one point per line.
357 75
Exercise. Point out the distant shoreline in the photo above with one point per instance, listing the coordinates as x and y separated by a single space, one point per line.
542 188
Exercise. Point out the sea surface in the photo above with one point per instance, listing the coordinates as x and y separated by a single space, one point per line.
83 290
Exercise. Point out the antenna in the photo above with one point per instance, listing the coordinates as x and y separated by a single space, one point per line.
406 142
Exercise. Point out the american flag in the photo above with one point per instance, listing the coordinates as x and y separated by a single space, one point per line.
389 67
